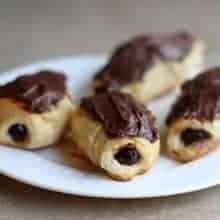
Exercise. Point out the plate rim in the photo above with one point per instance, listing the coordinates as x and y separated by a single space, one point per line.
206 183
103 196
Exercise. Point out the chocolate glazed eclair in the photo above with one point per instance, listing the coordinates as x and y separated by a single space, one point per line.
116 134
193 123
34 110
148 66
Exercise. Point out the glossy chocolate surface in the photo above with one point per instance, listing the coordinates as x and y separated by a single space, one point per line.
121 115
200 98
37 92
132 59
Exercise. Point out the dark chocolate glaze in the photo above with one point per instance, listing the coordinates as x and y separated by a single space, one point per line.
37 92
130 61
121 115
128 155
200 98
193 135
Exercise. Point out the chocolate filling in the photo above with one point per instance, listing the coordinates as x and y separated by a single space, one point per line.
200 98
128 155
121 115
18 132
37 92
193 135
132 59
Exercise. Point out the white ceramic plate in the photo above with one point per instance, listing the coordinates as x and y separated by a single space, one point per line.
47 169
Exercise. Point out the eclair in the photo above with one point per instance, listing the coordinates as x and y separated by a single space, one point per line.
193 125
34 110
149 66
116 134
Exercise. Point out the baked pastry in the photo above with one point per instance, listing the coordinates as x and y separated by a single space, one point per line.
116 134
34 110
148 66
193 123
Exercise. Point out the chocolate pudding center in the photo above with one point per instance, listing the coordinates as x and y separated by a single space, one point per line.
193 135
128 155
18 132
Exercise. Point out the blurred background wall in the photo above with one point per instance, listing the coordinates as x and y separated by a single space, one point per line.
32 30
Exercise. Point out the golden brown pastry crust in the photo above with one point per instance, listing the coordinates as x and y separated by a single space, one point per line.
177 150
43 128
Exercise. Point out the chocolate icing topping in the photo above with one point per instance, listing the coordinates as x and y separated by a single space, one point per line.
200 98
130 61
37 92
121 115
